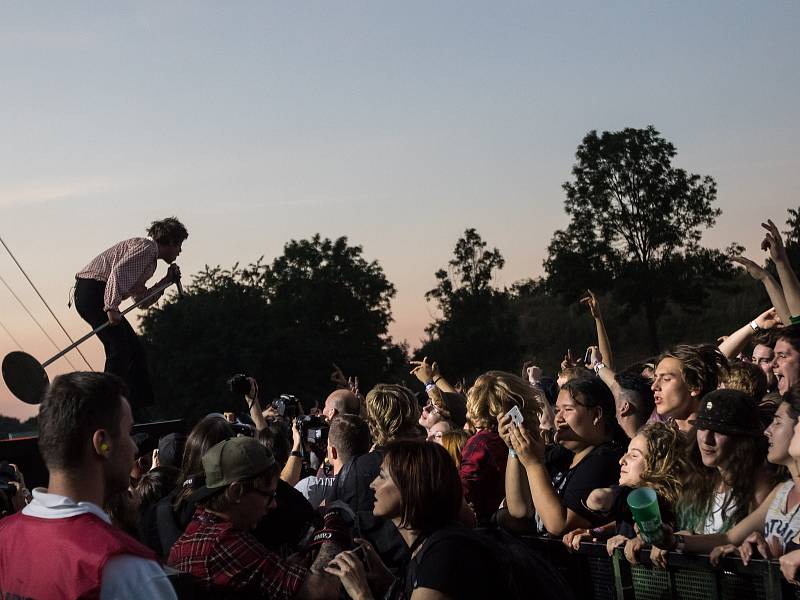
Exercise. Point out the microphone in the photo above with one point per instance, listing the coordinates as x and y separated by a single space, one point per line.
176 277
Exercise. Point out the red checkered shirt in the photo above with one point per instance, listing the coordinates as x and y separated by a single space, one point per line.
125 268
226 559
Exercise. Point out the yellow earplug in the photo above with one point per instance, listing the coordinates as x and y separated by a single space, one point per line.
104 447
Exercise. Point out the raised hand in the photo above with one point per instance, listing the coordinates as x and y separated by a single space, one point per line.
773 242
590 300
755 271
528 445
423 371
338 378
768 319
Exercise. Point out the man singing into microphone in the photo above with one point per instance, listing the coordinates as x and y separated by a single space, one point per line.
119 273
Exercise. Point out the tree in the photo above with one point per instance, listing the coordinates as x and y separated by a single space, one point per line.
636 224
284 323
476 330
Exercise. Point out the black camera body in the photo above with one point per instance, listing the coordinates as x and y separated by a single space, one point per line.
239 385
314 430
286 406
7 475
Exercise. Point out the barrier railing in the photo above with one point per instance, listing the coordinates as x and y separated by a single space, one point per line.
593 574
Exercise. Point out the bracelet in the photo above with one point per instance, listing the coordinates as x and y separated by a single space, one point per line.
429 386
599 366
296 453
754 326
512 453
436 379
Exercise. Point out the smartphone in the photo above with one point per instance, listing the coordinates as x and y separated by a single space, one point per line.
587 358
516 415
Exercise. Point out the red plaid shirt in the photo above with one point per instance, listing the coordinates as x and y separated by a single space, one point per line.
125 267
483 472
226 559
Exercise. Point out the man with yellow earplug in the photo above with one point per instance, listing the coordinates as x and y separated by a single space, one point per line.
62 544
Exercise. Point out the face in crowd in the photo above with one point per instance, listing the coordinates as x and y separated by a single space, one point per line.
762 357
430 415
576 425
715 448
633 462
779 436
786 365
673 396
388 502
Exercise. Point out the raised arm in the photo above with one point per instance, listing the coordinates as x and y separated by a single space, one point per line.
773 242
430 373
735 342
518 495
254 405
556 517
773 288
603 342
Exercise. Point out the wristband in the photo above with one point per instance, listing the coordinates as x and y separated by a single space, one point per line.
512 453
436 379
599 366
794 320
429 386
754 326
296 453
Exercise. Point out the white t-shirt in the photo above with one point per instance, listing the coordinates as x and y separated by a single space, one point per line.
124 576
316 489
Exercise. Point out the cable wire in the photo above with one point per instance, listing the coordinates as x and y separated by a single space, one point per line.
11 336
35 320
69 337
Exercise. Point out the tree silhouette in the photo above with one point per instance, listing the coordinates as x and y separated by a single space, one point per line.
284 323
636 224
477 329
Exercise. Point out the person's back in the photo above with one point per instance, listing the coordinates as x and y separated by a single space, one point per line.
70 548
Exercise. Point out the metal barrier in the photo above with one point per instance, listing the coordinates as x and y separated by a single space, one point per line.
593 574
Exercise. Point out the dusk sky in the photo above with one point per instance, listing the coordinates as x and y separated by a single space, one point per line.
398 125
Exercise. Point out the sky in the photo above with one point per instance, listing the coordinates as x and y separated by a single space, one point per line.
398 125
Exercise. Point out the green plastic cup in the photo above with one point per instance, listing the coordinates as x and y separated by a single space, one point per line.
643 503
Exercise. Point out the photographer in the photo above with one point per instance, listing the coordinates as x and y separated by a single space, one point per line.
348 438
14 496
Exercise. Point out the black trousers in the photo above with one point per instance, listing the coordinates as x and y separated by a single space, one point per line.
125 355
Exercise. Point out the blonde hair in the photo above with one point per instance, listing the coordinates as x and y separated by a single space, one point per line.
498 391
392 411
453 441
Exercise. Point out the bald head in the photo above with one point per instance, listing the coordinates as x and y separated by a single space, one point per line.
341 402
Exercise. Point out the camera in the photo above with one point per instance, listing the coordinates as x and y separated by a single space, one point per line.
239 385
7 475
286 406
244 429
313 429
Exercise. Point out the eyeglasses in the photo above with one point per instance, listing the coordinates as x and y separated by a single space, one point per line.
430 407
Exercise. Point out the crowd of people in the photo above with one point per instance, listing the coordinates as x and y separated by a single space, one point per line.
423 496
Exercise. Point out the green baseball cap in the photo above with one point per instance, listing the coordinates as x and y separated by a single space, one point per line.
232 460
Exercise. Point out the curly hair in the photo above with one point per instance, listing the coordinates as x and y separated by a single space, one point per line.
665 465
703 366
392 412
169 231
498 391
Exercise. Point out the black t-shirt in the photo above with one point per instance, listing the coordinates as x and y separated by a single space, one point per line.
599 469
285 525
454 562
